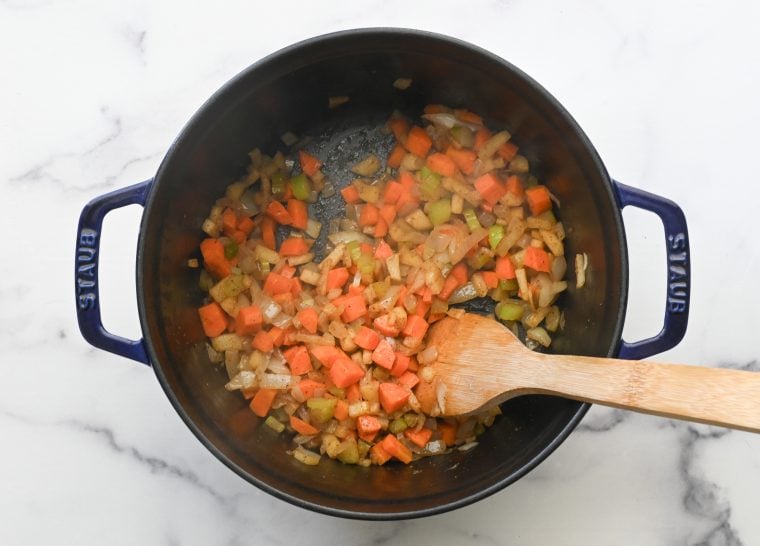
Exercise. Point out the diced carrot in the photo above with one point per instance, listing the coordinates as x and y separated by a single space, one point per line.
353 393
246 225
308 318
294 246
249 393
419 437
422 308
386 326
383 355
505 269
309 387
435 109
407 180
309 164
427 295
267 233
262 401
277 335
287 271
400 364
399 127
276 284
393 447
248 320
490 188
481 137
368 215
366 338
295 287
368 426
408 379
393 397
441 164
468 117
279 213
214 258
514 185
537 258
383 250
459 272
336 278
392 192
341 410
418 142
298 360
463 158
416 327
326 354
490 278
345 372
538 199
213 319
302 427
350 194
229 221
287 336
355 290
388 213
262 342
396 156
381 229
366 248
457 277
238 236
299 213
378 455
448 432
507 151
354 307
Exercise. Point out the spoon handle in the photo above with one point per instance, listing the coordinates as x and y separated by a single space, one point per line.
716 396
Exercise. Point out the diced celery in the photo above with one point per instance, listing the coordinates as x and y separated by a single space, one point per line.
230 250
410 419
274 424
429 182
509 311
321 410
495 235
366 264
440 212
337 391
349 451
354 250
228 287
471 219
301 187
380 289
363 448
397 425
463 135
278 182
508 285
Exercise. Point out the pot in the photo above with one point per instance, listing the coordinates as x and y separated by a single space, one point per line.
288 91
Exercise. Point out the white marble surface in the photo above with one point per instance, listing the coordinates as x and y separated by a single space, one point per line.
92 94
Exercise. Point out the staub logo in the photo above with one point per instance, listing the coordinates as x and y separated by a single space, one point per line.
678 287
87 252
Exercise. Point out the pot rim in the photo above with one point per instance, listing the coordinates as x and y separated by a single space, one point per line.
273 58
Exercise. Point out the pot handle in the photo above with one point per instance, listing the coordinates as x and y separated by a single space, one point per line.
86 271
678 271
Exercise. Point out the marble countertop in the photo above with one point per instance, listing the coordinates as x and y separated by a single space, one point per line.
93 94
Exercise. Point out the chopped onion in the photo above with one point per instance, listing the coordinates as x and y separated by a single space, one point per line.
558 268
448 121
581 263
435 447
348 236
468 446
428 356
276 381
243 380
306 457
464 293
540 335
402 83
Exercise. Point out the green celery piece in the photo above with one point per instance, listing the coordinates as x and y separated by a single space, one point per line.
274 424
397 425
278 182
410 419
321 410
495 235
230 250
349 453
366 264
301 187
508 285
337 391
363 448
354 250
429 182
440 212
509 311
471 219
380 289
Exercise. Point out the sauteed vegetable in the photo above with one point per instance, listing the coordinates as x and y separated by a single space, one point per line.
331 348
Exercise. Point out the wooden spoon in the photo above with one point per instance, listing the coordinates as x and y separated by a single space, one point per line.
480 362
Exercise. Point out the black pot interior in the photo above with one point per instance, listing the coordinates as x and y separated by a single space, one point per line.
288 92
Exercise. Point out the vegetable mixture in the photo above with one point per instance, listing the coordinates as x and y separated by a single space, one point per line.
334 351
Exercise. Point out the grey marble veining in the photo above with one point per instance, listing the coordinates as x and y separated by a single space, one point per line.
93 94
